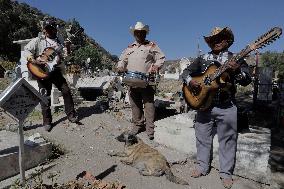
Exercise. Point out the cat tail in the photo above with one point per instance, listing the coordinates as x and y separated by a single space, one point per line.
171 177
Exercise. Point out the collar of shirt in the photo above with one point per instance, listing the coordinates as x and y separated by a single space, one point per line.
51 42
222 57
135 43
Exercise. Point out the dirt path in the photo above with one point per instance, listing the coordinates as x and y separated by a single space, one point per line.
86 146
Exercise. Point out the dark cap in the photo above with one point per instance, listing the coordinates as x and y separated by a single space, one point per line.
49 23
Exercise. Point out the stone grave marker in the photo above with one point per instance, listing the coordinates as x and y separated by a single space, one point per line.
18 100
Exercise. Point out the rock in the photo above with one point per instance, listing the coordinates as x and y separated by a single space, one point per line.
36 151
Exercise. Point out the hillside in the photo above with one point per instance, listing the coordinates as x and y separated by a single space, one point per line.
20 21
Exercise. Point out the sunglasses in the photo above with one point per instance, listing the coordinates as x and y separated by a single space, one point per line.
216 40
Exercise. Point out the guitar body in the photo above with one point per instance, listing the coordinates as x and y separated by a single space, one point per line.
41 71
202 98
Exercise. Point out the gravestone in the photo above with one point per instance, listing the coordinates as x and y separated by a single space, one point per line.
18 100
264 84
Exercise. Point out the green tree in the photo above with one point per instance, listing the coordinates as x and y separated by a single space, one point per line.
20 21
274 60
16 22
82 54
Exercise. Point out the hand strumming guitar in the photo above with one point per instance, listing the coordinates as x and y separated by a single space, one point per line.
120 70
38 60
153 69
194 85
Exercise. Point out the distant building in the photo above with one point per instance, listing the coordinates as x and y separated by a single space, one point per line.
183 63
2 71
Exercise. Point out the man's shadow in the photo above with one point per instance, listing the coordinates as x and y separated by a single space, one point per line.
98 108
82 113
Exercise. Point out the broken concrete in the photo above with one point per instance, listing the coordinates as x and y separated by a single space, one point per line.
252 154
36 151
177 132
96 82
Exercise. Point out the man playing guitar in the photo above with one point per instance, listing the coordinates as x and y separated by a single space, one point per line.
222 112
33 51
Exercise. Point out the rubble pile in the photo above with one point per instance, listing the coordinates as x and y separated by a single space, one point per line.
4 120
75 184
84 180
169 86
4 82
119 105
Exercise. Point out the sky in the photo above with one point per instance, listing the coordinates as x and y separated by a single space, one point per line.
177 26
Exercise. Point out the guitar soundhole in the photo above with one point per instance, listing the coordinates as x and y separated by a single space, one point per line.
195 92
51 57
207 80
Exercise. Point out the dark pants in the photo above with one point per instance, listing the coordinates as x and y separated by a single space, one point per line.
139 97
59 81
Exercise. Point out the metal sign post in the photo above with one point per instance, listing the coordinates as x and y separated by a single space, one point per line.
21 152
18 100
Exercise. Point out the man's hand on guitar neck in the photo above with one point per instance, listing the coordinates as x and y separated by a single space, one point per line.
153 69
233 66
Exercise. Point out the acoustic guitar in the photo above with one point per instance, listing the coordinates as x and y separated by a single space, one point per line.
214 77
48 56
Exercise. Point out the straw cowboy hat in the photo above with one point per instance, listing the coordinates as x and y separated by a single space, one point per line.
139 26
220 32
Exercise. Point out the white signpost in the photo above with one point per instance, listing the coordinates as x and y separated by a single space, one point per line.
18 100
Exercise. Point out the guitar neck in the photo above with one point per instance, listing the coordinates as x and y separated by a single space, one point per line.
77 33
234 58
260 42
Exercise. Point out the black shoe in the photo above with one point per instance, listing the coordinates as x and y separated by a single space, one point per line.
73 119
48 127
151 136
121 137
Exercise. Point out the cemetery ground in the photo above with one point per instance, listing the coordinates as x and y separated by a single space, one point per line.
84 146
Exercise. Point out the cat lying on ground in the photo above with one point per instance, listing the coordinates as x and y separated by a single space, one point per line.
147 160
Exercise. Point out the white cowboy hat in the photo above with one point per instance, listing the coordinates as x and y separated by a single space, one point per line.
139 26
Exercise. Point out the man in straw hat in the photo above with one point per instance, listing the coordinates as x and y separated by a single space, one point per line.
223 112
144 57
